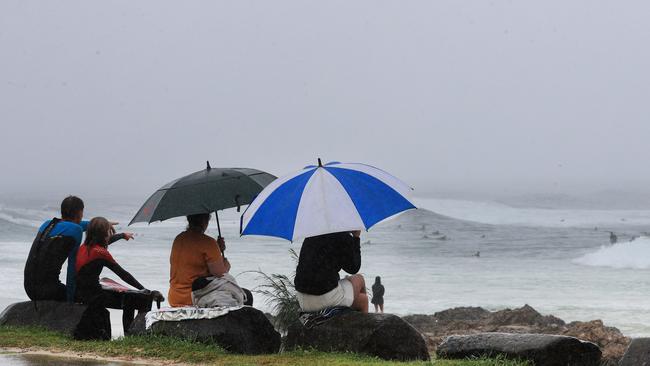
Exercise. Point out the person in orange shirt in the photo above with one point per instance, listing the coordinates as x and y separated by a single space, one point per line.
196 255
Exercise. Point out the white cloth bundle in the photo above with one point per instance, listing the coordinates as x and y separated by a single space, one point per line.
186 313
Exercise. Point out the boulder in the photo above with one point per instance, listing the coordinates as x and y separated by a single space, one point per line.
610 340
540 349
638 354
524 315
381 335
474 320
75 320
246 331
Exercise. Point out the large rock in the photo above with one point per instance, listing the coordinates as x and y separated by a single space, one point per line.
540 349
382 335
246 330
610 340
75 320
638 354
473 320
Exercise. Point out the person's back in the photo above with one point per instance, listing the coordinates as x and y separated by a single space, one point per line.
53 244
317 281
190 255
378 291
322 257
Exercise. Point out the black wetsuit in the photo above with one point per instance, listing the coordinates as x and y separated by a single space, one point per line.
51 247
90 263
321 259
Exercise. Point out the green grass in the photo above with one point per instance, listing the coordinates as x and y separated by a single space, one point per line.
171 349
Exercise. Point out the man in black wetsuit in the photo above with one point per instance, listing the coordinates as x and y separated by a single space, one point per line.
56 241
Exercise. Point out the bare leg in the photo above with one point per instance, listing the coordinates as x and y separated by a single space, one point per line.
376 308
359 290
382 308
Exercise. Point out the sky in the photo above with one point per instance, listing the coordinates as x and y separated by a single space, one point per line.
121 97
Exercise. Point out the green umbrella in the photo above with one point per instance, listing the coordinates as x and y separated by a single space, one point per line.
205 191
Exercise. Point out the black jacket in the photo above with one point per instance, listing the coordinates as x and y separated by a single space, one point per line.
321 259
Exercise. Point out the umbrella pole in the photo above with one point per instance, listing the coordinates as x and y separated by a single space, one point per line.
216 214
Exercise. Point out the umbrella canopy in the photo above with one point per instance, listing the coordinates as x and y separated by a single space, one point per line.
204 191
325 199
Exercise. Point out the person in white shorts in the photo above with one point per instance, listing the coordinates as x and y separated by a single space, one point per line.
317 280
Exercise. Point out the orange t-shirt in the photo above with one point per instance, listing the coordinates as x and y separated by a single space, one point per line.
189 260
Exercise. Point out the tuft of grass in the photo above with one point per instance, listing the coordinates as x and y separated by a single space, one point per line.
161 348
281 295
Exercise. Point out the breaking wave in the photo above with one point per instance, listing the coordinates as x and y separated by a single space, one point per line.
499 214
22 217
633 254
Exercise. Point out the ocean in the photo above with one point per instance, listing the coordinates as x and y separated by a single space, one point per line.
449 253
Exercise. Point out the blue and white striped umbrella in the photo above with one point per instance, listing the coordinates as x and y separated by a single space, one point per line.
325 199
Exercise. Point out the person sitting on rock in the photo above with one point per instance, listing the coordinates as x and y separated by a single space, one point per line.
92 257
56 241
317 280
378 295
200 270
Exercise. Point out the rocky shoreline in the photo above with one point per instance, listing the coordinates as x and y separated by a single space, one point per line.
454 333
473 320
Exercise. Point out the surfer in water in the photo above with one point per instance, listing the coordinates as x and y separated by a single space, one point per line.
92 257
613 239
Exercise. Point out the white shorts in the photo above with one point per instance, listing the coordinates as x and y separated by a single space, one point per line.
342 295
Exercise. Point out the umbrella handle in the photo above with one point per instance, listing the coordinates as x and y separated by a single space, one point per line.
216 214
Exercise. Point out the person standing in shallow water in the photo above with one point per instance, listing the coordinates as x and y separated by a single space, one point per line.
378 295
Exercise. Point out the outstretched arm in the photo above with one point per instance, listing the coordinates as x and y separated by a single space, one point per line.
124 275
120 236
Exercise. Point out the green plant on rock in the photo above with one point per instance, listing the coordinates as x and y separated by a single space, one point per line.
280 294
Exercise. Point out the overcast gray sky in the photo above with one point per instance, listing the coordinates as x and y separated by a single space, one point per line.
448 95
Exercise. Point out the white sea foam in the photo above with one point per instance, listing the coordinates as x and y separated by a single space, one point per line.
23 217
633 254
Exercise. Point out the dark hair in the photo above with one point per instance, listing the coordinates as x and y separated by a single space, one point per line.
377 279
71 207
197 222
99 229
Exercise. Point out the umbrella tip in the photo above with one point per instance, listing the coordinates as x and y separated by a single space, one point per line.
320 164
208 163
